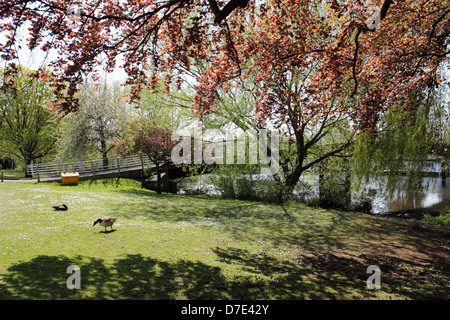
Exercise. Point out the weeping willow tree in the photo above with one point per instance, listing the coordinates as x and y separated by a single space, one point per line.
440 124
396 156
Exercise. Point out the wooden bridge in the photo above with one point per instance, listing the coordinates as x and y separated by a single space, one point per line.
126 167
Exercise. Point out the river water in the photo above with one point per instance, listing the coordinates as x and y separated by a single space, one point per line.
435 196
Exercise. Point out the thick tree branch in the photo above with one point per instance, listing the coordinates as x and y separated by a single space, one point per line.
327 155
433 29
385 8
221 15
355 57
383 12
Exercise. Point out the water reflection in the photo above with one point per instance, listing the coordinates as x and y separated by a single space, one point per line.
435 196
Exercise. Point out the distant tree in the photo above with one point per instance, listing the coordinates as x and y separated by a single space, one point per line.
169 109
29 124
92 129
146 137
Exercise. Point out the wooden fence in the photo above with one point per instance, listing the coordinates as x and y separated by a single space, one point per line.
91 168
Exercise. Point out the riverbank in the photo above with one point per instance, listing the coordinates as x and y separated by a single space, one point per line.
417 214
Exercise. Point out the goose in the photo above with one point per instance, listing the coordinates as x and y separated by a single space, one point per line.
62 207
105 222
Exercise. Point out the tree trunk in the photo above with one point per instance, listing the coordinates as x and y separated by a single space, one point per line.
158 178
322 188
347 190
104 152
28 160
291 181
105 161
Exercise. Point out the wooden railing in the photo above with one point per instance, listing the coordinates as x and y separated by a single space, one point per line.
91 168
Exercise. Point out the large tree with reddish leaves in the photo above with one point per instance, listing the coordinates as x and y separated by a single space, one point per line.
374 67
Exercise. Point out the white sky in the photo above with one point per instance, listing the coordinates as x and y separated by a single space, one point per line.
38 58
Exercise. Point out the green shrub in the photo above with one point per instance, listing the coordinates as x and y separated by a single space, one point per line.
270 190
242 182
442 219
225 184
245 188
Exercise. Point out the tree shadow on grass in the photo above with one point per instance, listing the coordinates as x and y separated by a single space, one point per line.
332 275
306 278
133 277
262 276
139 277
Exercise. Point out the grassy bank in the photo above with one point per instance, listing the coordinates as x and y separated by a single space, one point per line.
198 247
13 174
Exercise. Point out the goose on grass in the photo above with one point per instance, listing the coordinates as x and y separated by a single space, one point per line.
105 222
61 207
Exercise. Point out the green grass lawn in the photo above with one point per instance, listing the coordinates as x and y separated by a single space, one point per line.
13 174
198 247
